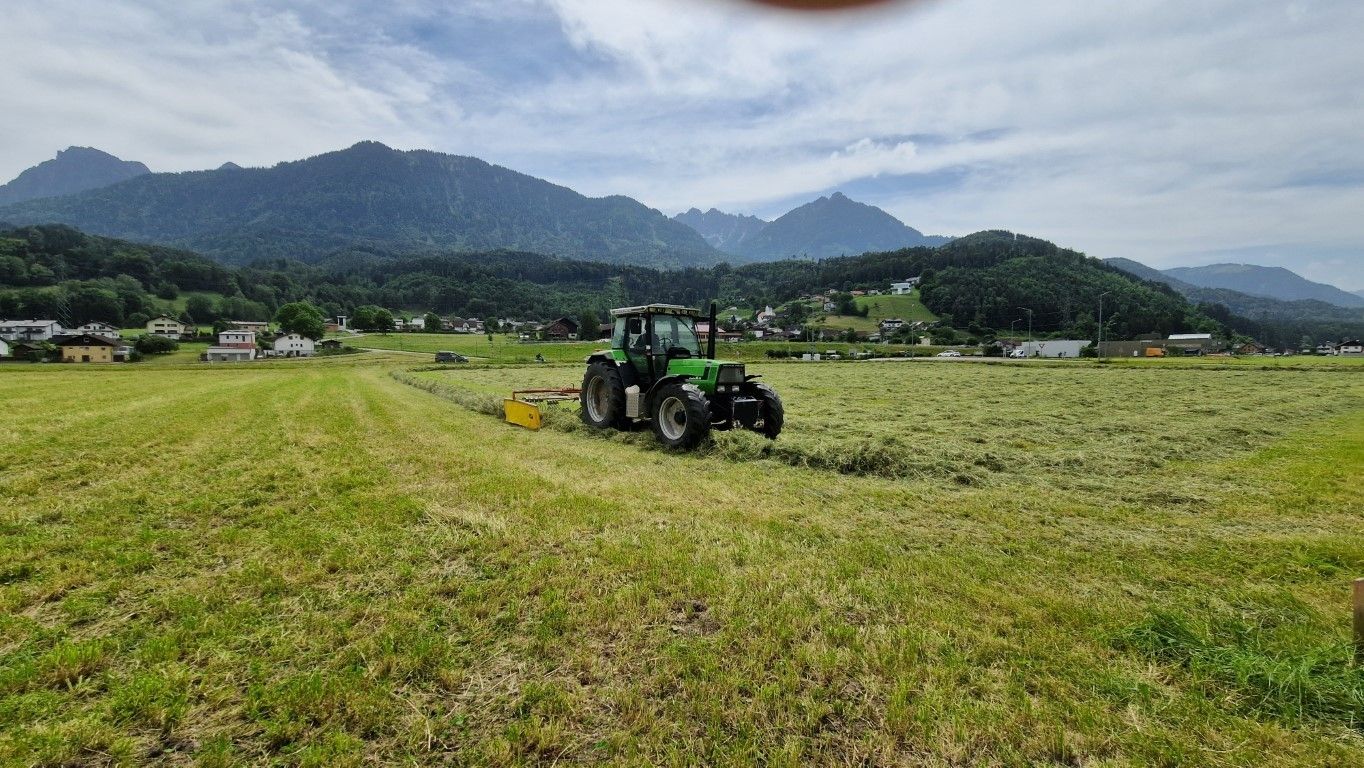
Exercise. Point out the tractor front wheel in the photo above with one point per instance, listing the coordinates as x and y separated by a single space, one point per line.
603 397
771 410
681 416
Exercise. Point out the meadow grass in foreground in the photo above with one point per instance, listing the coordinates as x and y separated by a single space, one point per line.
314 563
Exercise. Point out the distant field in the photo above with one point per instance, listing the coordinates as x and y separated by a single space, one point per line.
311 562
906 307
505 349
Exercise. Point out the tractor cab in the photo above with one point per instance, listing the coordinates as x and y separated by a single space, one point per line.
658 370
650 339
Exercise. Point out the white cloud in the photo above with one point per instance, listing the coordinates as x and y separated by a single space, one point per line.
1161 131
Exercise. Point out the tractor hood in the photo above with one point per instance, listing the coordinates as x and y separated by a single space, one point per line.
699 368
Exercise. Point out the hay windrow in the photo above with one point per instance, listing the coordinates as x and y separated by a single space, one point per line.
973 425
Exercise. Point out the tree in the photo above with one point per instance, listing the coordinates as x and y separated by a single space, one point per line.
202 308
302 318
372 318
155 345
432 322
587 325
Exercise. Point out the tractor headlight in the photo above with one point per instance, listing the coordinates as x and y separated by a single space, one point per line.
730 374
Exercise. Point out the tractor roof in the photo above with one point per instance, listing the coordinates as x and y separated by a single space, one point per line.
657 309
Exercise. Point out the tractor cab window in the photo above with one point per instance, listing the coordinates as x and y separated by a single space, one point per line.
618 334
674 332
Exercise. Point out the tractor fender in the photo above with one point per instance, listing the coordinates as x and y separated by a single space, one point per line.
648 399
627 371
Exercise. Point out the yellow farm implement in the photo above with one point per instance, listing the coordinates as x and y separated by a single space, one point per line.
523 407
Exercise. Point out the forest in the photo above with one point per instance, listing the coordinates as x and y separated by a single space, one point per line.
989 282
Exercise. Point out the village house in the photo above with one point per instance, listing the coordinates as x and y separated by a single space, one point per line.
294 345
86 348
417 323
237 339
168 327
767 315
1350 347
703 333
30 330
99 329
904 286
892 324
1251 348
562 329
233 346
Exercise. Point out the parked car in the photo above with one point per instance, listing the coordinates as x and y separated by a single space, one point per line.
451 357
949 353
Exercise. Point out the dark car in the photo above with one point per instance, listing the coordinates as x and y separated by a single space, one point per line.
451 357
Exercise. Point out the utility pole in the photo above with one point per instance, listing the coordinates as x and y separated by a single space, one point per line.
1100 350
1029 311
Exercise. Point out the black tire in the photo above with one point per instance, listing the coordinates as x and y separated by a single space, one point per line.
771 414
681 416
603 397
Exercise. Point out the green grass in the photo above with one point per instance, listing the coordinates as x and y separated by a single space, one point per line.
906 307
314 563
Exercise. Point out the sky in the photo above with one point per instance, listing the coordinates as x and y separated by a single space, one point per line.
1173 133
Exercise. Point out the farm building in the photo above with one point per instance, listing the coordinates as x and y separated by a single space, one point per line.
167 326
1251 348
1054 347
329 344
293 345
255 326
563 328
86 348
30 330
228 354
1191 343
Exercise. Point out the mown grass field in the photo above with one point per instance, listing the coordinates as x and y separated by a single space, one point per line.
316 563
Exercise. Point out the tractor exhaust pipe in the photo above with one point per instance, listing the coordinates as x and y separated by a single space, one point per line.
714 331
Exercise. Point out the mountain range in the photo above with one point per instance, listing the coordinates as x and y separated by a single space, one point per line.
370 194
1270 282
1239 285
827 227
74 169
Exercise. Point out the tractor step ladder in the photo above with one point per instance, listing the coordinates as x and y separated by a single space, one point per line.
523 407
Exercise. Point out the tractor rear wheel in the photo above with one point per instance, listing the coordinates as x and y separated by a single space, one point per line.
603 397
681 416
772 413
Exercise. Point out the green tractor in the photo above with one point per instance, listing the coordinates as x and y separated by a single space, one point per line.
656 371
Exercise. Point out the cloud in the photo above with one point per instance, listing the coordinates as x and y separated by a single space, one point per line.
1160 131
